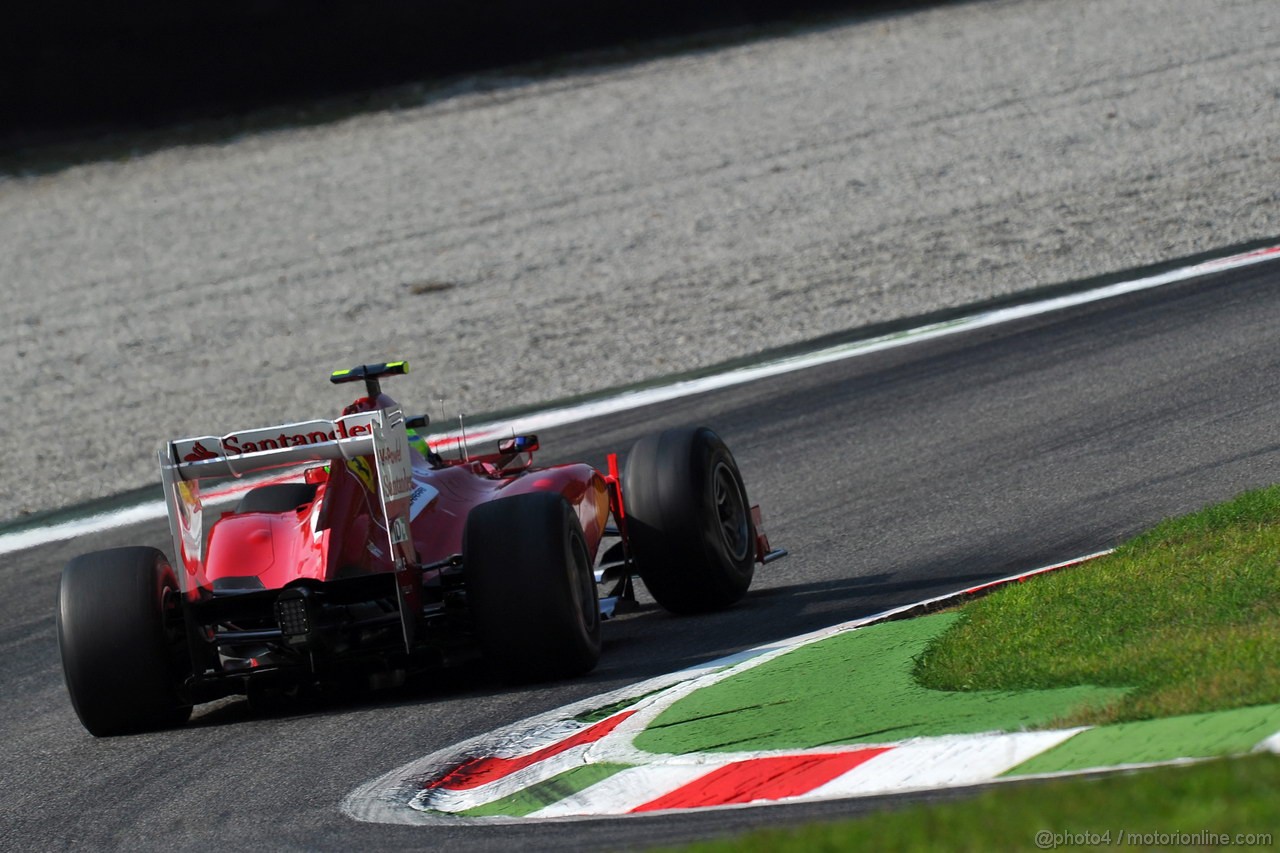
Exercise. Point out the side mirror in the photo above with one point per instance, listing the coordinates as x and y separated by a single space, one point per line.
518 444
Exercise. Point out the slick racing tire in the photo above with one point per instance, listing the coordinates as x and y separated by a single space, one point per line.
688 520
531 589
278 497
123 660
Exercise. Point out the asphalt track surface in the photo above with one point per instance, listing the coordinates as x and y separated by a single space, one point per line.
891 478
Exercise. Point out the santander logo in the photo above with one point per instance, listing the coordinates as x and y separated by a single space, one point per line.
252 442
274 438
199 453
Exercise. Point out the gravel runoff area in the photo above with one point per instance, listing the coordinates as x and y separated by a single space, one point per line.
525 239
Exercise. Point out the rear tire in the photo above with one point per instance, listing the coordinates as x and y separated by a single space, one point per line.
531 588
278 497
123 666
688 520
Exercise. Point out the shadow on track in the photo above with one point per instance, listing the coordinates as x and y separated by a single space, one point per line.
646 643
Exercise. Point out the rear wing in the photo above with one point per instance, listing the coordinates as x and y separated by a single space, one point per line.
380 434
248 451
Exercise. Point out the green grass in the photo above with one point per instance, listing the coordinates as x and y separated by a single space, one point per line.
1188 615
1224 796
852 688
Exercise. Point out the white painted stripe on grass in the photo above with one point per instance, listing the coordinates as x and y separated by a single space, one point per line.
941 762
629 400
1271 744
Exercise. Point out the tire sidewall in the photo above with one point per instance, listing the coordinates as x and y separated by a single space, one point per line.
530 587
121 665
706 457
673 524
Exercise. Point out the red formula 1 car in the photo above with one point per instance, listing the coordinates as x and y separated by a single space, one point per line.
382 557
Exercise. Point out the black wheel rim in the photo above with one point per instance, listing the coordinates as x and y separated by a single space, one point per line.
731 512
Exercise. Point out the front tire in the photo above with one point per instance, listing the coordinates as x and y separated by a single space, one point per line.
531 589
688 520
123 665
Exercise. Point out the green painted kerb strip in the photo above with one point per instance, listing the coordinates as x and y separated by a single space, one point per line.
1191 736
852 688
529 800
